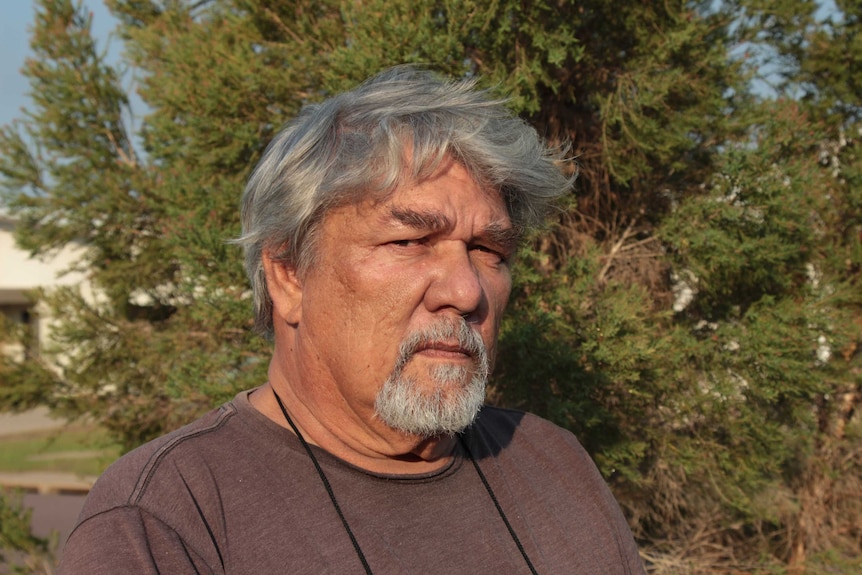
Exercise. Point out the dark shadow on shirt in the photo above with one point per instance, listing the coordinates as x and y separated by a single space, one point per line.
492 431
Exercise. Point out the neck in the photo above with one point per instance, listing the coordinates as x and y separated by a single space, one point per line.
370 446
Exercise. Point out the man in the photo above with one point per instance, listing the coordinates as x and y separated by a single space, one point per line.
378 230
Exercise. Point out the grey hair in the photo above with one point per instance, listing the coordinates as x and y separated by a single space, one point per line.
399 126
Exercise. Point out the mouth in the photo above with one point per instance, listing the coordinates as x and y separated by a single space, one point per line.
454 343
444 350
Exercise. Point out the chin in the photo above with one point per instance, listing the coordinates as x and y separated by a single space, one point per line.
446 410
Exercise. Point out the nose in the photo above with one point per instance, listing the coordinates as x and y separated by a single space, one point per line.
456 283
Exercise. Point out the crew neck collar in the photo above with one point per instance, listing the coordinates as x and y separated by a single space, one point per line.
269 430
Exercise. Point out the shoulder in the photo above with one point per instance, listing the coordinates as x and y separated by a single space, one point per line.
128 540
510 428
514 418
524 445
175 491
544 464
129 478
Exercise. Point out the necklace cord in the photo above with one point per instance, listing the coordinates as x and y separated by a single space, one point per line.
497 505
326 485
337 507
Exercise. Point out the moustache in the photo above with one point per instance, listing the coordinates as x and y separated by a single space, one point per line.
452 336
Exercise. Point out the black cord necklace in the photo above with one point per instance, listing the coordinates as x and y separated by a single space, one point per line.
346 525
497 505
326 486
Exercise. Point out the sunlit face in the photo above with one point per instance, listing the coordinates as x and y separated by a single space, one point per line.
399 313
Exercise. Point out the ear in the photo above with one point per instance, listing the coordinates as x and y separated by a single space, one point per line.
284 288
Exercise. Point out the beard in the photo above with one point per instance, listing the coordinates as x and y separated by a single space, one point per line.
455 395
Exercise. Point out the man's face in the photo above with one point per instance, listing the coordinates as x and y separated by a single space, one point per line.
399 312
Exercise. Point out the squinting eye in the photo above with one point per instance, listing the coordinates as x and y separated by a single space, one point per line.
490 251
408 243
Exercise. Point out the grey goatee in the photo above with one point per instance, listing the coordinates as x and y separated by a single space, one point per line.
457 392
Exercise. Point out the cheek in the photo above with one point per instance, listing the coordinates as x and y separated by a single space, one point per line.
393 290
498 291
377 303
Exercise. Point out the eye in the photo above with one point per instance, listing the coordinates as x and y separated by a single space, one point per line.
492 253
407 243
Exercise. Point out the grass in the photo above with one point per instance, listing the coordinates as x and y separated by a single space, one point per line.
79 449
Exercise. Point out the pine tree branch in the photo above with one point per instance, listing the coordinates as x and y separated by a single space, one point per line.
615 249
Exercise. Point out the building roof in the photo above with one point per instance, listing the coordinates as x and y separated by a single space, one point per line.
14 297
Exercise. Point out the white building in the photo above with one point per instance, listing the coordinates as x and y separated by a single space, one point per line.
21 275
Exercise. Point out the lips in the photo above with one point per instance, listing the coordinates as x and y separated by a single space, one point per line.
444 347
452 341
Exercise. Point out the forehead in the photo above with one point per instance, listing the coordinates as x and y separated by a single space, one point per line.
451 190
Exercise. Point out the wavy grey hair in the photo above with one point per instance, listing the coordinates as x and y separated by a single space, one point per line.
398 126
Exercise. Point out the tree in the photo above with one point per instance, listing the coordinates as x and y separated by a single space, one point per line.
20 551
26 380
692 312
817 64
154 221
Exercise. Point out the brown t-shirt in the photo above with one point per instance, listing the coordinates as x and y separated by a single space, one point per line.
236 493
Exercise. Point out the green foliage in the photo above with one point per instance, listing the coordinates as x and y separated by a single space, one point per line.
20 551
727 421
584 356
749 235
25 381
165 333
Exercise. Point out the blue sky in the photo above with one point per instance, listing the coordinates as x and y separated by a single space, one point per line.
15 46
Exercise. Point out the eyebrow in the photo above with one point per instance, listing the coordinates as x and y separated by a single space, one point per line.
501 234
431 221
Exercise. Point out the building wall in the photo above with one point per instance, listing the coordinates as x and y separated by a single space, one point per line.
20 271
20 274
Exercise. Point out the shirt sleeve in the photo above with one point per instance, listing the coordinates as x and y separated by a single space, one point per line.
128 540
